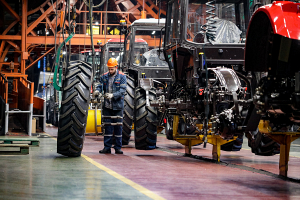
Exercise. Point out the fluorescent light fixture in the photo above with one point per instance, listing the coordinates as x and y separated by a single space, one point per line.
153 32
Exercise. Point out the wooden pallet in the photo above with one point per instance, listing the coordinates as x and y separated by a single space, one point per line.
14 149
31 141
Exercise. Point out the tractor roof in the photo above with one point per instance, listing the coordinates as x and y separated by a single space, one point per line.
149 22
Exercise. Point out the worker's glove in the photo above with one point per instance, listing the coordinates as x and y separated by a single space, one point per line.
108 95
96 94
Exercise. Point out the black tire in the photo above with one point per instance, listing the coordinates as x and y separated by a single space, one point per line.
74 108
235 145
55 116
48 112
263 145
169 128
128 111
145 121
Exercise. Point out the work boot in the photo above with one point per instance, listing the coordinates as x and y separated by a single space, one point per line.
118 151
105 151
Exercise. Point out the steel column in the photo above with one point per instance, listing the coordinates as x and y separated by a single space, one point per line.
24 55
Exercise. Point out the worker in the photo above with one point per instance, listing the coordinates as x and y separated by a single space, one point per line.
113 84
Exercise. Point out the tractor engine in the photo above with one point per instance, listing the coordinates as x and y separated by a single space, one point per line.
214 101
277 98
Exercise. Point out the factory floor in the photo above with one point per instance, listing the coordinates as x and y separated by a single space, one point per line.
163 173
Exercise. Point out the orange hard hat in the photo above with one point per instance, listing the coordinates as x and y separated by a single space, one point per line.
112 62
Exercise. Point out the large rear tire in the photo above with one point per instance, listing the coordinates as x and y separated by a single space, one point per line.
235 145
169 128
145 121
263 145
74 108
128 111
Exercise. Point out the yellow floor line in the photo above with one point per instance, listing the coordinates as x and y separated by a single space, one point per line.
122 178
136 186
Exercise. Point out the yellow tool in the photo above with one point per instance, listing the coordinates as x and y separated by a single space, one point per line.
92 118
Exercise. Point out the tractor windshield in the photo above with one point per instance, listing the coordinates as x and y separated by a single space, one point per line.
142 54
114 52
201 22
90 59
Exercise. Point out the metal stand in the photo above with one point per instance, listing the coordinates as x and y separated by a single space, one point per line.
29 112
284 139
190 140
43 116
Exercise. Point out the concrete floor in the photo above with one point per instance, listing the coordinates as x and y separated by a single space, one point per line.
163 173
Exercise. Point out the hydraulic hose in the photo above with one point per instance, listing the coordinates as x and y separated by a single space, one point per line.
92 39
56 86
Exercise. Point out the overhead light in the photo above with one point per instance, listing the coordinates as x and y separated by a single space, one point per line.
47 32
96 22
153 32
64 52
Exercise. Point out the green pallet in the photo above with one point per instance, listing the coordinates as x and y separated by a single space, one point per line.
14 149
29 140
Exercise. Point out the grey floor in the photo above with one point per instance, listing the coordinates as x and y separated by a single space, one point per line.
44 174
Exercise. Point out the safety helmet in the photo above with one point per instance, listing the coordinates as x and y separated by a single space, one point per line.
112 62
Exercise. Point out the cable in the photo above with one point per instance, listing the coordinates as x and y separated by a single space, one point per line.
106 20
79 30
63 30
92 40
100 4
55 34
69 20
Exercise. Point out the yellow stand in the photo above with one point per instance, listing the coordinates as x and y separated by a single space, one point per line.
217 141
284 139
190 140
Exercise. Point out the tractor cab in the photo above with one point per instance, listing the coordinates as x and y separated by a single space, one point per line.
143 60
217 26
89 59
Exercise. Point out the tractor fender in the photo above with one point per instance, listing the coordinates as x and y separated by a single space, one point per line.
284 17
268 26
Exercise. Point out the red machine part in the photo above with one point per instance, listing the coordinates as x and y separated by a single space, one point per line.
284 17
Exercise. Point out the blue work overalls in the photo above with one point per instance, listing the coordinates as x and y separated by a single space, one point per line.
119 89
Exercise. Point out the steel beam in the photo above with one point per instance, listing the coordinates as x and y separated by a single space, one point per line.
14 45
42 17
48 21
81 39
37 9
2 47
42 56
10 10
10 37
147 8
9 27
8 63
24 35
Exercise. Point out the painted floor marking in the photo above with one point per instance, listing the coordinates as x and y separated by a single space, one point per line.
136 186
122 178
